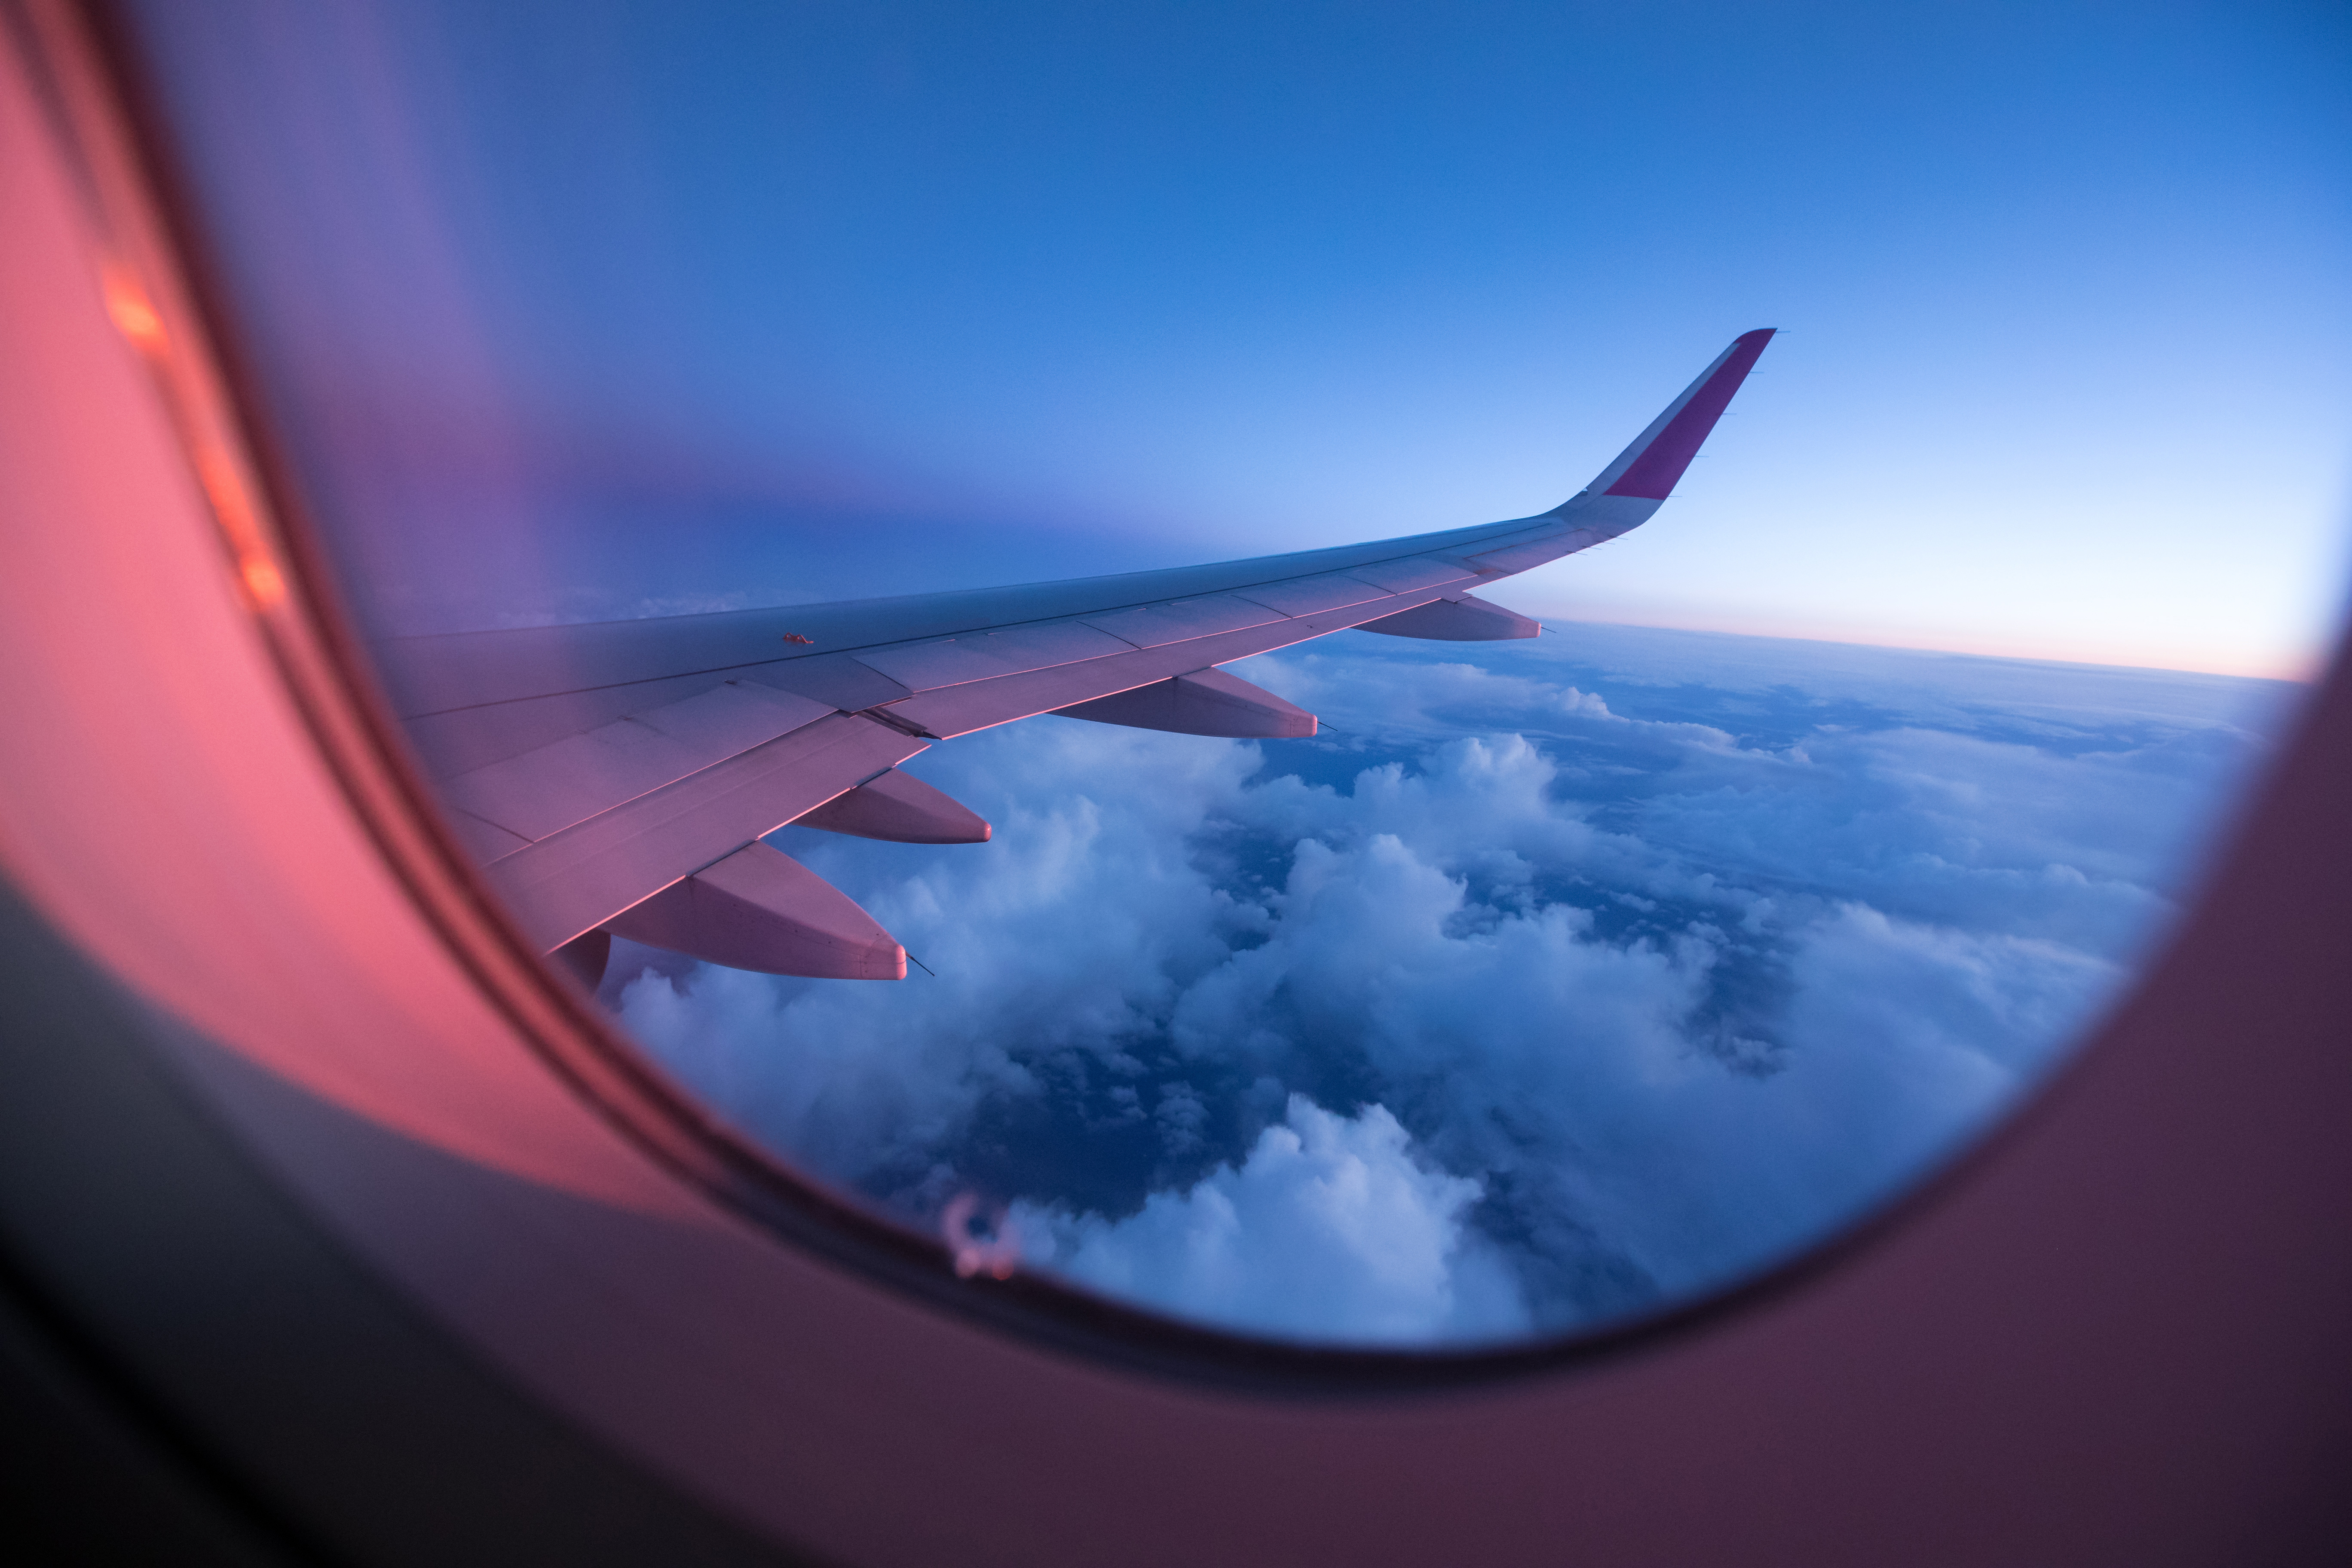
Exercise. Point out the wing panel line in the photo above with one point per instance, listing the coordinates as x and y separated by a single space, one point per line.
575 880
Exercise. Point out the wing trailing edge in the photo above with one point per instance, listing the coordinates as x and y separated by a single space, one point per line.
585 875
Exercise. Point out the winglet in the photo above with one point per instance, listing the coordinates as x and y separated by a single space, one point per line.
1651 466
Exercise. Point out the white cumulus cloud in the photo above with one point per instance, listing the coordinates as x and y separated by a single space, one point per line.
1329 1230
1548 989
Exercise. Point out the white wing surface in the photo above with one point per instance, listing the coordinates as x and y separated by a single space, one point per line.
622 773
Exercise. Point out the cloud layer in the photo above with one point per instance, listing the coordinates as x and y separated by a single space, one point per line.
1552 987
1330 1229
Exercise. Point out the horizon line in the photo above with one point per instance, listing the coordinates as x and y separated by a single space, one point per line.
2303 668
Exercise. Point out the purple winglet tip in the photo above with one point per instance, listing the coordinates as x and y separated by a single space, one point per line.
1653 473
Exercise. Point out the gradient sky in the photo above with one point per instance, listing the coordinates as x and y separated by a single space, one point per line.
600 309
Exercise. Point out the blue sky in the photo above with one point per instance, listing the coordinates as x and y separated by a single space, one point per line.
618 309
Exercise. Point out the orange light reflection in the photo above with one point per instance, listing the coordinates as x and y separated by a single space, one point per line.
231 503
134 316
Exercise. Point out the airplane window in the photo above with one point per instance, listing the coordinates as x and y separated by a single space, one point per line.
877 521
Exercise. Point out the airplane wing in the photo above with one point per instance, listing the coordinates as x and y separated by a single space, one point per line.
618 777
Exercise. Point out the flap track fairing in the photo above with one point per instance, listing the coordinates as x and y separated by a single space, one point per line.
1206 702
901 808
1462 618
762 909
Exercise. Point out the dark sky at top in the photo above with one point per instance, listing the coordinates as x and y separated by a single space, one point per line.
580 310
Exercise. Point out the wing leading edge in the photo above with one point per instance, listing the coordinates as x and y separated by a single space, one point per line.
619 776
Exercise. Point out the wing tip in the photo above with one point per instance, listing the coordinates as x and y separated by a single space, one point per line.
1651 467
